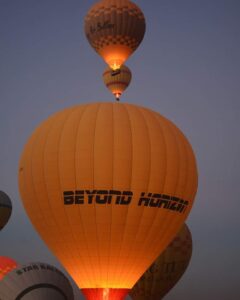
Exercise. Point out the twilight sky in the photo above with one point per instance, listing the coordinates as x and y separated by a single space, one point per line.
187 68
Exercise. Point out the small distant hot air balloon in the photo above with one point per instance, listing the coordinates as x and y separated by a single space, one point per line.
38 281
6 265
167 269
107 186
115 29
5 209
117 80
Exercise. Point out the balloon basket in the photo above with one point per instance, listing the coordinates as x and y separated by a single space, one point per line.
105 294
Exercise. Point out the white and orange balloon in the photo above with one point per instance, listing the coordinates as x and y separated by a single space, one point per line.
36 280
115 29
117 81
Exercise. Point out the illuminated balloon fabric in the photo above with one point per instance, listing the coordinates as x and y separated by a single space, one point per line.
36 281
107 186
117 81
6 265
5 209
167 269
115 29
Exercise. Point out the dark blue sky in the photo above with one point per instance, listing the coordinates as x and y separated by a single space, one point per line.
187 68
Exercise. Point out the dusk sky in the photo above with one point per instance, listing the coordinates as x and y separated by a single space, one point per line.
187 69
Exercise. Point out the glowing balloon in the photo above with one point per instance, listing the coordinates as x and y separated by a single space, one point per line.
38 281
5 209
117 81
167 269
107 186
115 29
6 265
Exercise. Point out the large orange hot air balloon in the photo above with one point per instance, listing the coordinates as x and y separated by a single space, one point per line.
5 209
107 186
6 265
115 29
117 81
167 269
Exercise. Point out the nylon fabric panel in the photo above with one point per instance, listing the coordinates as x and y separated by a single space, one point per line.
138 256
53 183
170 225
35 193
140 168
154 182
45 162
85 154
167 224
122 149
67 176
103 179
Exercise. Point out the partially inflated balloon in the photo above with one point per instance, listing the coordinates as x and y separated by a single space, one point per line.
38 281
166 271
6 265
5 209
115 29
117 81
107 186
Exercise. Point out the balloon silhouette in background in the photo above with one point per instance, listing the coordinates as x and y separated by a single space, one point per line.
5 209
6 265
167 269
117 81
107 186
115 29
36 281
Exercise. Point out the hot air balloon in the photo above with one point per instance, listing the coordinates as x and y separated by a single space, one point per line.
6 265
36 281
117 81
5 209
107 186
115 29
167 269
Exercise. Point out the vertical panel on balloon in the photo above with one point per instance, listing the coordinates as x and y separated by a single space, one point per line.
67 177
85 181
103 179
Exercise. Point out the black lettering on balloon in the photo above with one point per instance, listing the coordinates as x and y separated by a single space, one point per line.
126 198
90 195
79 197
68 197
111 197
100 26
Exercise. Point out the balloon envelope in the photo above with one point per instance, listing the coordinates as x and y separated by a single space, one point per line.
117 81
114 29
36 281
107 186
167 269
6 265
5 209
